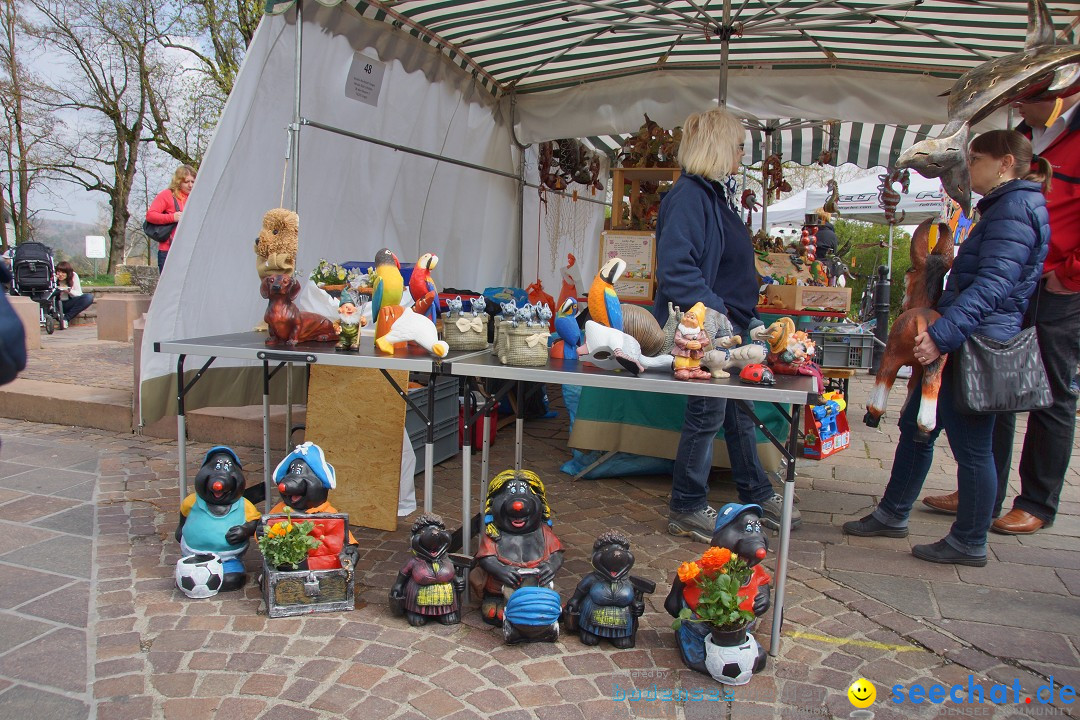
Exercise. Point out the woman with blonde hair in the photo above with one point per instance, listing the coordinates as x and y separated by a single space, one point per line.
704 254
169 205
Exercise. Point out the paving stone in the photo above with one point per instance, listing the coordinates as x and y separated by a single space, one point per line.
436 703
19 584
68 605
372 707
360 675
47 660
1040 610
127 708
120 686
20 701
175 684
235 708
78 520
16 630
1031 645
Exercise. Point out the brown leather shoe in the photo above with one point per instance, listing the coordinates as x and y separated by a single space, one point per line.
1017 522
943 503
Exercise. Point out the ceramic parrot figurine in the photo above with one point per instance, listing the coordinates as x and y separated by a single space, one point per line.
569 333
420 283
603 302
386 289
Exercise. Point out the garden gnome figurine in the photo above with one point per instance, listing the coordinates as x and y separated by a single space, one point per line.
428 586
609 601
216 518
304 479
738 528
349 322
691 342
519 553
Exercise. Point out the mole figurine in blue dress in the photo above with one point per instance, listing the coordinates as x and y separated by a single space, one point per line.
609 601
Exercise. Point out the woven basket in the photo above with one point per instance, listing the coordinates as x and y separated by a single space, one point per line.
468 339
514 349
497 342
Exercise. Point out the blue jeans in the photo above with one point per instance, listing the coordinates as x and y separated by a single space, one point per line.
693 460
74 306
971 440
161 260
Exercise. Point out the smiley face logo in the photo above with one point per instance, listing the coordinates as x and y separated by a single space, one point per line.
862 693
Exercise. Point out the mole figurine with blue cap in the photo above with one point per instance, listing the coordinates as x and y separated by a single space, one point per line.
517 560
304 480
738 529
216 519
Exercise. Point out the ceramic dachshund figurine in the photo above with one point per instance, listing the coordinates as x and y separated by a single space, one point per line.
285 323
304 480
428 587
609 601
216 518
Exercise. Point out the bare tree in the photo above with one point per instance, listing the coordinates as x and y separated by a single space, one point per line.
215 35
110 46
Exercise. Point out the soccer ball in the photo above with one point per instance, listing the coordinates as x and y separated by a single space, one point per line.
199 576
735 664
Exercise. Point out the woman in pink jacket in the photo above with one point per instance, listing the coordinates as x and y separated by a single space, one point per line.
168 206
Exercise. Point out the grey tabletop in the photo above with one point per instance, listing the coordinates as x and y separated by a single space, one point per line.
252 346
795 390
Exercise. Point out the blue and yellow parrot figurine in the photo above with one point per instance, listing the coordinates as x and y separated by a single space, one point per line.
566 326
420 283
603 302
386 289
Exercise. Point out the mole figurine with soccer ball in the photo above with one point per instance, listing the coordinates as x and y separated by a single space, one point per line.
217 520
304 480
738 529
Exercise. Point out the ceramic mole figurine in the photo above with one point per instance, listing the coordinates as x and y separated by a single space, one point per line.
304 480
216 518
738 528
519 552
428 587
608 602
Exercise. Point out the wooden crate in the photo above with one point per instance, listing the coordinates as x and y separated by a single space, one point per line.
300 592
808 297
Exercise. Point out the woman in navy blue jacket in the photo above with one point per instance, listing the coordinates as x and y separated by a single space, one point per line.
704 254
993 276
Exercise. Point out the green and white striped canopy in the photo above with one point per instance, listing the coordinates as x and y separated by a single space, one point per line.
529 46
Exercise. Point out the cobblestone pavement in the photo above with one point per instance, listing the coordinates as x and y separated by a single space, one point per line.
91 625
76 357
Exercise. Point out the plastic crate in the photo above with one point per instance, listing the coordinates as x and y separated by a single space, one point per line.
843 350
446 405
445 446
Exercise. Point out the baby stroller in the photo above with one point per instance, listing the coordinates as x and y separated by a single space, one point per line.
35 278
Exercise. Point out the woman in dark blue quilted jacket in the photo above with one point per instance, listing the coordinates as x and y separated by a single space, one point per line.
992 278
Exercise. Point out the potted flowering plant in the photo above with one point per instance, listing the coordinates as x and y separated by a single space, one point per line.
329 276
285 544
718 595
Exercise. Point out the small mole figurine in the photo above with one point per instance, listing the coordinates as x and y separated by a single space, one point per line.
216 518
428 587
608 602
304 479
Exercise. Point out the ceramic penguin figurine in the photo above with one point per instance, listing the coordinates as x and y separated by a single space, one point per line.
428 587
609 601
518 558
738 528
216 518
304 480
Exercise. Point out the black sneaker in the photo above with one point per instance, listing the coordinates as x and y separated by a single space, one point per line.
870 526
698 525
943 553
771 510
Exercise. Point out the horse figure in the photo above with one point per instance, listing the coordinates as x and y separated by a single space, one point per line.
923 285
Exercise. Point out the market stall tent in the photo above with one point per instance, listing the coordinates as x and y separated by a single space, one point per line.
859 201
472 82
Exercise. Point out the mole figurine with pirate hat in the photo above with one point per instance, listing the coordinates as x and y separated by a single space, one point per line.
216 518
304 480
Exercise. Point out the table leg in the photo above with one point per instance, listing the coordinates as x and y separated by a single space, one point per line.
181 427
519 425
466 473
288 407
785 532
429 445
485 454
267 480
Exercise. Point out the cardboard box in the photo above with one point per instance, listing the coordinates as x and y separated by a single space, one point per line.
808 297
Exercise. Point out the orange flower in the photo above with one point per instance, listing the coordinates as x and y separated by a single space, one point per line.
688 571
715 559
279 529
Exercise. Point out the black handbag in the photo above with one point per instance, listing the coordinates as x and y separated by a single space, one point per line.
160 233
999 377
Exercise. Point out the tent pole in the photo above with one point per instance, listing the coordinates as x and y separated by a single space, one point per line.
520 207
725 42
891 226
295 127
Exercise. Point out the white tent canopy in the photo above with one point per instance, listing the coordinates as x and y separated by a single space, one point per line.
471 80
859 201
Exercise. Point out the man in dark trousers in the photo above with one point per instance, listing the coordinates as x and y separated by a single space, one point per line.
1054 130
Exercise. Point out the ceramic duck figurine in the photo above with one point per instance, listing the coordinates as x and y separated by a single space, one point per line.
406 325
